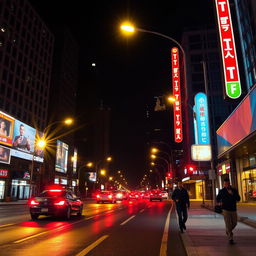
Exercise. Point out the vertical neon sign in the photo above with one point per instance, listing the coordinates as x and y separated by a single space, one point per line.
228 49
178 133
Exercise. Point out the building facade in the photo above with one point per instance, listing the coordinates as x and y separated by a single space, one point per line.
26 51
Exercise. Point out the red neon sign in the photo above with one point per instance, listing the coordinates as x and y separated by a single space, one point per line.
4 173
178 133
228 49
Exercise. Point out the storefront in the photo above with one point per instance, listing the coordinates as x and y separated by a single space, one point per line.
4 173
237 148
20 185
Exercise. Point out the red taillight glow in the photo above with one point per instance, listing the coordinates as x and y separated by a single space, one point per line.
160 194
55 190
60 203
98 196
34 202
136 196
151 194
110 196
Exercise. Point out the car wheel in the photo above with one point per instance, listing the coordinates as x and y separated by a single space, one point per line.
79 213
34 216
67 213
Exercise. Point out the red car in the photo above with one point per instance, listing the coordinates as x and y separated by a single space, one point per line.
55 201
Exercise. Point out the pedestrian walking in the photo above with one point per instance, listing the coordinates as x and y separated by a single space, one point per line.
228 198
181 198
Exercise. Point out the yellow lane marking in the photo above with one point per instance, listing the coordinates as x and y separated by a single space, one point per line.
6 225
92 246
163 248
29 237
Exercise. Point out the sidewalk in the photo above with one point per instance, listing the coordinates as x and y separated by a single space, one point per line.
205 235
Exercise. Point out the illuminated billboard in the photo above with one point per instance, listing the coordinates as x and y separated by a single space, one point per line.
23 137
6 129
92 176
239 124
202 119
61 157
5 155
178 133
228 50
201 152
74 161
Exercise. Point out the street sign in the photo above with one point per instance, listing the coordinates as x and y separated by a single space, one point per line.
228 49
202 119
178 132
201 152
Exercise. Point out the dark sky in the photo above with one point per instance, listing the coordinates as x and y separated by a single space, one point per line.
130 71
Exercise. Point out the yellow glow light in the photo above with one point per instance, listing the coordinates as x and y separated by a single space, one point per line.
41 143
153 156
171 99
154 150
109 159
89 164
127 28
68 121
110 178
103 172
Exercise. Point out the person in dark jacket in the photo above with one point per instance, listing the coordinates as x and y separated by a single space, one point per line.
228 198
181 199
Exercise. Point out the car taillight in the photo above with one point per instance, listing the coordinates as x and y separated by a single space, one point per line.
33 202
151 194
60 203
110 196
160 194
98 196
136 196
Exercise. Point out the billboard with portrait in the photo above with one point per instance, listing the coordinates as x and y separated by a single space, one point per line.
23 137
5 155
61 157
6 129
92 176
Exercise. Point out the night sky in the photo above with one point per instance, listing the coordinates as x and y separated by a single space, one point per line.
129 72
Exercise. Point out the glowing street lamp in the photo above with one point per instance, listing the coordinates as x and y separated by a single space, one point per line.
68 121
171 99
154 150
109 159
103 172
89 164
153 156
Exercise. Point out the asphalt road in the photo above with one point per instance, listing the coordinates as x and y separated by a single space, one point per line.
127 228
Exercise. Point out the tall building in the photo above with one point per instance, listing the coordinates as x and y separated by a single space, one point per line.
246 20
62 105
201 47
237 135
26 51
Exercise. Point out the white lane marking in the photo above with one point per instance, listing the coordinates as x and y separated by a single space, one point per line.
92 246
127 220
163 248
142 210
29 237
6 225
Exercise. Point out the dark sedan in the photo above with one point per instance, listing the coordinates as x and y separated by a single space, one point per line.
58 202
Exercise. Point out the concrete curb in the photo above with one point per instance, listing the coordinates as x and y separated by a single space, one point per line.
188 245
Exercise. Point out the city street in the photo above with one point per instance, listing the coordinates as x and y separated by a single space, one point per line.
125 228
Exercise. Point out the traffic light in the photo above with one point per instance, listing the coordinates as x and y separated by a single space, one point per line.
190 169
169 175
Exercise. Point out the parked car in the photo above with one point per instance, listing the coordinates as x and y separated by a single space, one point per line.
55 201
106 196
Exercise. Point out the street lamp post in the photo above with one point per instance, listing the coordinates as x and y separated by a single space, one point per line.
39 144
